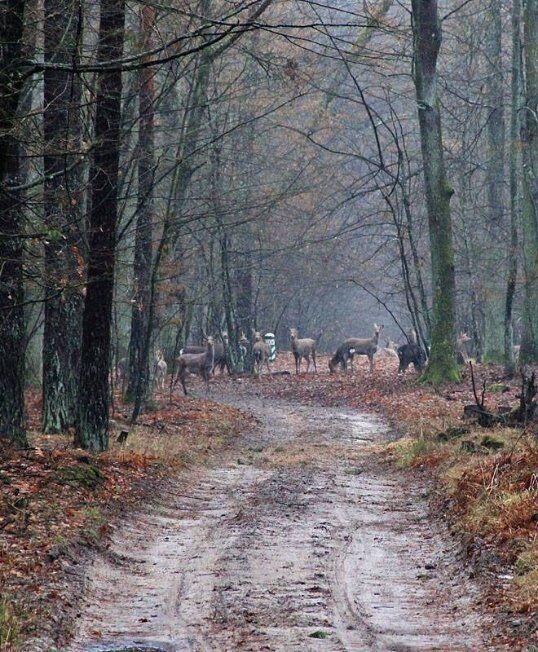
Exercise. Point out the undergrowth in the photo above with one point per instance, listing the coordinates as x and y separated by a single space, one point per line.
9 625
490 479
57 501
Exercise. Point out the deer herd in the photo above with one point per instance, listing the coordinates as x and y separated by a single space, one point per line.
204 360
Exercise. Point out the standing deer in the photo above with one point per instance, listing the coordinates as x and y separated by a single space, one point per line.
200 364
260 353
410 353
461 350
387 351
221 350
304 348
356 346
160 371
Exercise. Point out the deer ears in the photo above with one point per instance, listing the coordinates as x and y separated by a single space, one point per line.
378 329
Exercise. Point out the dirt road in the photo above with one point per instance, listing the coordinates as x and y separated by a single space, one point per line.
295 540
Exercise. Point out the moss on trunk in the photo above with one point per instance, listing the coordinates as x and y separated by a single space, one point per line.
427 42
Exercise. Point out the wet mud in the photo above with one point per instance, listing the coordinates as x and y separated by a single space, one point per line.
296 540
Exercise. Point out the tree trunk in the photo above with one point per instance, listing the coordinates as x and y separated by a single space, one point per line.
515 173
529 340
12 327
64 272
93 398
139 368
427 41
494 330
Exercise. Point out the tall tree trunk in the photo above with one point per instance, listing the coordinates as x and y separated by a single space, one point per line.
494 331
515 173
62 204
529 340
427 42
93 398
139 368
12 330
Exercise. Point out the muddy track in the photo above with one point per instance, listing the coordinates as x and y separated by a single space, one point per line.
296 540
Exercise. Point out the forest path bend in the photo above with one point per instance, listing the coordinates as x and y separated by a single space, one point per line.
295 540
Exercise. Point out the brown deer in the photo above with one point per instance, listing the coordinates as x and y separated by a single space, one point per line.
356 346
515 351
461 350
260 353
387 351
160 370
200 364
221 350
304 348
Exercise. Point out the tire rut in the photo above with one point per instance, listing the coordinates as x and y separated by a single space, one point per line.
297 540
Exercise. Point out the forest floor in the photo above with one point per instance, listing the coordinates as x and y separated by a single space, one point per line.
59 506
318 526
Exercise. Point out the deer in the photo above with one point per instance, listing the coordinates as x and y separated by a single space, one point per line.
121 374
121 371
243 344
200 364
356 346
515 351
461 350
409 353
387 351
260 352
304 348
221 350
160 370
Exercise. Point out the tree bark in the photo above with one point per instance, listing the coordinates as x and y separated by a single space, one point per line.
12 325
64 268
427 42
94 398
515 174
529 341
139 367
494 331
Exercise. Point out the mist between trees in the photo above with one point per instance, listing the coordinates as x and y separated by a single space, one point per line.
173 170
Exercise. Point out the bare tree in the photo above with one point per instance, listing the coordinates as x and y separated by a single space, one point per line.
93 397
427 43
529 340
64 270
12 327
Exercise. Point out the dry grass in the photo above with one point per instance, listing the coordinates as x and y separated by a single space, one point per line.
57 500
9 625
524 591
311 454
491 479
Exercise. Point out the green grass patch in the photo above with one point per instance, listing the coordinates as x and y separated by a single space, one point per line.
319 634
85 476
9 626
93 520
408 451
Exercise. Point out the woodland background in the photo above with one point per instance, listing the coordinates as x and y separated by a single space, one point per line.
175 169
